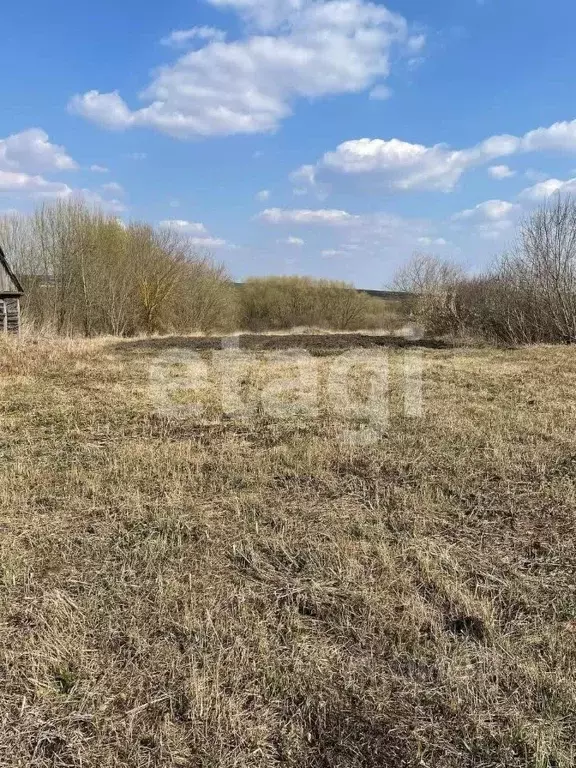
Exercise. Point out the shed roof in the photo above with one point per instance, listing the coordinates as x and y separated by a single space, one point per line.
9 283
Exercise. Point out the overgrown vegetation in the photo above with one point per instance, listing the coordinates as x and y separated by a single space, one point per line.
276 303
528 296
206 592
86 272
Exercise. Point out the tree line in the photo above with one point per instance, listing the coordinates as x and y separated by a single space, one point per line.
86 272
527 296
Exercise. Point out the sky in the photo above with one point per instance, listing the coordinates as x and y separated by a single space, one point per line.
331 138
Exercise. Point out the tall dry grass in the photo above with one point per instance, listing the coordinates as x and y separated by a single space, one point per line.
210 592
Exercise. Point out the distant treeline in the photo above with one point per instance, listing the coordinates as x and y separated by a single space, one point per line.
527 296
85 272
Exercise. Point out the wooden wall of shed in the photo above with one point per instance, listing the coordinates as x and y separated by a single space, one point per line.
12 308
7 285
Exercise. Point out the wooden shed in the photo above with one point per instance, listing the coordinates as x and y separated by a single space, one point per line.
10 293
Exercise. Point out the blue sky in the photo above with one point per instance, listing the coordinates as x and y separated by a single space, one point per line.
295 136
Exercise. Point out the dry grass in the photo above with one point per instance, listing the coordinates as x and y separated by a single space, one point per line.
207 592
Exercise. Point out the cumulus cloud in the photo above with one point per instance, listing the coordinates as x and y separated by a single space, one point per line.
544 189
380 93
440 241
560 136
195 232
185 227
32 152
291 240
491 210
208 242
114 187
328 217
292 49
180 38
106 109
416 43
378 234
24 184
492 219
398 164
402 165
264 194
24 157
113 205
500 172
99 169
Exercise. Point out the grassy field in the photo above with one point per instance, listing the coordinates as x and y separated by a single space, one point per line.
215 590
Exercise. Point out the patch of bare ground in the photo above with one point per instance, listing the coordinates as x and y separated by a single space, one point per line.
212 591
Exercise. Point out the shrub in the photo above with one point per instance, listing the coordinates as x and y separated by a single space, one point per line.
528 296
277 303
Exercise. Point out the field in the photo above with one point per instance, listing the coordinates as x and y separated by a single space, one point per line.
218 586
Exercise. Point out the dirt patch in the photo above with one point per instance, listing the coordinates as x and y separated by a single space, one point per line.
311 342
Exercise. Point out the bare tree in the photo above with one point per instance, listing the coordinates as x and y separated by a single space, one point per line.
434 282
427 274
543 264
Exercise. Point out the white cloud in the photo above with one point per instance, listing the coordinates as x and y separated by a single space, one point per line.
31 152
114 187
544 189
99 169
401 165
264 14
106 109
208 242
94 198
534 175
297 241
377 235
500 172
23 156
440 241
416 43
180 38
492 219
264 194
398 164
496 229
195 232
380 93
23 184
557 137
328 217
185 227
301 49
491 210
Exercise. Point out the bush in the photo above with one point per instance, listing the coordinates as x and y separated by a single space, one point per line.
278 303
